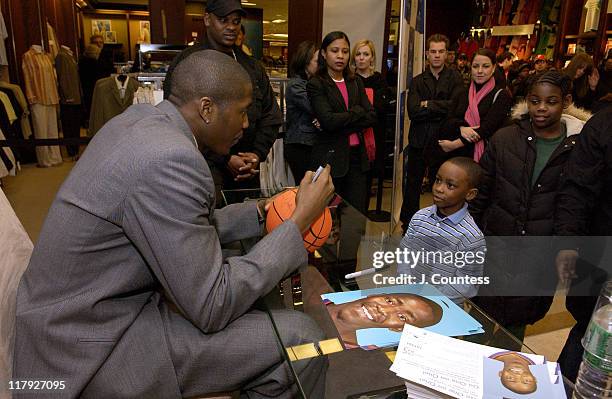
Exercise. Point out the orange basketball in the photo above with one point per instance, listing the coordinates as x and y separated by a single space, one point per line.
282 208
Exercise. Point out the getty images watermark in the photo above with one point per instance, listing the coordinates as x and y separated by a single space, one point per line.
434 267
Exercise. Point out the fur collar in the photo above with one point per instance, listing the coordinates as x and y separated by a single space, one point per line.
573 117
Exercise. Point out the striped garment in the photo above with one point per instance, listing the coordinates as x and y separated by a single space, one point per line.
437 248
40 79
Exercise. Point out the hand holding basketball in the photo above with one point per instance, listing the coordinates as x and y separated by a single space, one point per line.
312 198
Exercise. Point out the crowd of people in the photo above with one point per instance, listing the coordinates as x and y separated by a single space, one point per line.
540 138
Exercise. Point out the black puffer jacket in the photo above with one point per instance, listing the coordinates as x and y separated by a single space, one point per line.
507 204
521 270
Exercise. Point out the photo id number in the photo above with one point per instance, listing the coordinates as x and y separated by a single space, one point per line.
36 385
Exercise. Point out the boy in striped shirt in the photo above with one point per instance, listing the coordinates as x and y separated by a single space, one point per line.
444 246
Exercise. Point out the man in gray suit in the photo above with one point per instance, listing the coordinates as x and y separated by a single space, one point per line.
127 293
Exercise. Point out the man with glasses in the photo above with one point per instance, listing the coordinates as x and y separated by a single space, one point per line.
540 65
240 169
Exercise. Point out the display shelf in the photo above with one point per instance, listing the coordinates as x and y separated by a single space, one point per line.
571 26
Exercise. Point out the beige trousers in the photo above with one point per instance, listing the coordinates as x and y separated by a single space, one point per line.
44 118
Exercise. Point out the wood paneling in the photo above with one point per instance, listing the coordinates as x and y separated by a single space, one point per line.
305 23
449 18
23 23
61 14
174 11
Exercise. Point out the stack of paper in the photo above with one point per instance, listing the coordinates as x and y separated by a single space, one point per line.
374 318
439 367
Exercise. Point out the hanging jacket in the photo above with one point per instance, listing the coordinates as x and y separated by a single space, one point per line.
107 102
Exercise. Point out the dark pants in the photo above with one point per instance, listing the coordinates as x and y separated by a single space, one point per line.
298 156
70 116
581 299
581 308
216 362
353 187
414 171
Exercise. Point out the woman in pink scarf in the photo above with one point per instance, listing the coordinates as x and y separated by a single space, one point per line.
481 113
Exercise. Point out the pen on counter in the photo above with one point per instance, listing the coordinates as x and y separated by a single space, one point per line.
361 273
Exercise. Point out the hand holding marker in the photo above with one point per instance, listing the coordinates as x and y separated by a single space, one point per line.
328 157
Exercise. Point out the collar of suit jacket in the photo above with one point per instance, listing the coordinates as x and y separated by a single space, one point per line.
175 116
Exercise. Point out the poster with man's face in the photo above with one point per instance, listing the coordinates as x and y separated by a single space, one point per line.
374 318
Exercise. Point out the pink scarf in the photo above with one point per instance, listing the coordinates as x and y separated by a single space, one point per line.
368 133
472 116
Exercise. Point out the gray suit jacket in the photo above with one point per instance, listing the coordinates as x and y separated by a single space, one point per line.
133 223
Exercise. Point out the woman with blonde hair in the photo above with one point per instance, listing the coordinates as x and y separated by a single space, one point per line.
585 79
363 63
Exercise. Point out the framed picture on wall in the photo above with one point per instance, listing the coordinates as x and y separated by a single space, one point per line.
100 26
110 36
145 32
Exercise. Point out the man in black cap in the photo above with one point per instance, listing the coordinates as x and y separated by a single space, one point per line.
240 169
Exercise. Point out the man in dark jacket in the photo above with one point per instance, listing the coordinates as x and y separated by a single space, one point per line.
238 170
584 208
502 70
432 95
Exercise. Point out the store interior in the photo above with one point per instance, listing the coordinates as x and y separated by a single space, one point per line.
143 36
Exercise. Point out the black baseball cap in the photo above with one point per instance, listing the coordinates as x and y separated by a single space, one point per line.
221 8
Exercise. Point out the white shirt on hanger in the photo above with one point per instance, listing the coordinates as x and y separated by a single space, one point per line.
121 86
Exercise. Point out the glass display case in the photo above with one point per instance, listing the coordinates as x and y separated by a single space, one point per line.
351 373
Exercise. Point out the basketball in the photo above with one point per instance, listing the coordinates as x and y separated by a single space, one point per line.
282 208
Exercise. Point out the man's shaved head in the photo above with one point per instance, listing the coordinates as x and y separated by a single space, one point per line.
208 73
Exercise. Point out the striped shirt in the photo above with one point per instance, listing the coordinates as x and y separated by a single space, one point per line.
451 246
40 79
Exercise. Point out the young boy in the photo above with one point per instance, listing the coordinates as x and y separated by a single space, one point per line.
446 248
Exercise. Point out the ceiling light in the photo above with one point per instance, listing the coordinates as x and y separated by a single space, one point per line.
279 21
265 21
246 3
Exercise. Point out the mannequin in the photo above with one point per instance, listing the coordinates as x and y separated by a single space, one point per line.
42 95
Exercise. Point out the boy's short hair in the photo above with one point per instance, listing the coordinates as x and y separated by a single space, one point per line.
471 168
